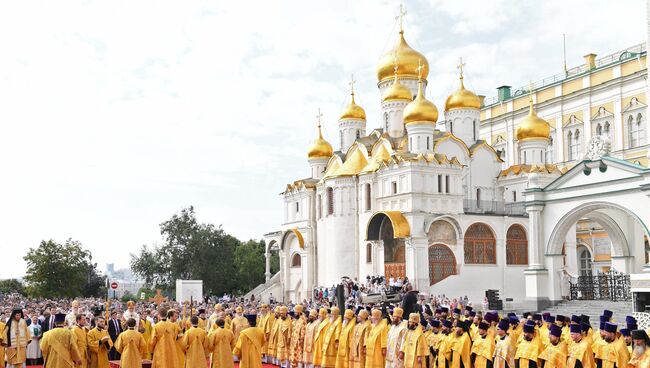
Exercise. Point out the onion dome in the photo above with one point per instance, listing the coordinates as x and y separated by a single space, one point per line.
462 99
320 148
397 91
353 111
533 126
421 109
408 60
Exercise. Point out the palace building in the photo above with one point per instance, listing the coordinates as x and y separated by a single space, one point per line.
521 193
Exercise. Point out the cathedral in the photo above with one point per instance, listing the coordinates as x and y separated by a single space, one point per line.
521 193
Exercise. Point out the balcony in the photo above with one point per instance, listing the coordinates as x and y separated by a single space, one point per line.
471 206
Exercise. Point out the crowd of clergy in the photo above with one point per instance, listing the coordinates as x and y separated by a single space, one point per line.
327 336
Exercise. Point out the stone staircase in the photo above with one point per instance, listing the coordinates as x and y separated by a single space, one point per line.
593 309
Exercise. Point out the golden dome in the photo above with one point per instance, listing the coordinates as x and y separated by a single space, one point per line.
320 148
407 61
397 91
533 126
353 111
421 109
462 99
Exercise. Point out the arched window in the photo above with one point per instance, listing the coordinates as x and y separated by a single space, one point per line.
606 129
451 127
330 201
319 205
516 246
358 134
428 143
480 245
569 140
599 129
474 130
368 197
584 260
549 151
296 260
368 253
636 131
385 122
442 263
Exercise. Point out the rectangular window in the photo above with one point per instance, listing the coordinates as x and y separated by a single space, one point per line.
393 187
446 183
514 196
368 198
297 207
330 201
439 183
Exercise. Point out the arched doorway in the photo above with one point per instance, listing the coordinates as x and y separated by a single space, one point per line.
390 229
442 263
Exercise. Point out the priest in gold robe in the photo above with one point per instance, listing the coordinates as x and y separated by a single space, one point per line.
345 339
331 339
221 343
58 346
461 347
283 337
195 344
580 353
640 350
16 336
248 348
483 347
272 337
414 349
297 336
616 352
163 342
444 349
131 345
147 328
310 333
80 332
396 334
239 322
266 321
504 351
357 344
99 344
527 354
377 341
320 336
555 353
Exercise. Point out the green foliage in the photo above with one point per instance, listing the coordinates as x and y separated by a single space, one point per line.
62 270
275 262
9 286
148 293
128 296
195 251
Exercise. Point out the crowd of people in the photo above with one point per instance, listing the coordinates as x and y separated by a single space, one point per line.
422 332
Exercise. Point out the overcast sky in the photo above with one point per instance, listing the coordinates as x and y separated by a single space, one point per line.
117 114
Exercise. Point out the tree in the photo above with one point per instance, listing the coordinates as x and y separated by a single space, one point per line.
250 264
9 286
190 250
62 270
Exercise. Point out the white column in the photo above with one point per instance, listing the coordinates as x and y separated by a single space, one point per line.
267 273
417 262
570 249
535 243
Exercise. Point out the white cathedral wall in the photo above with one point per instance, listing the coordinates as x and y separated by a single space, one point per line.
474 279
337 240
452 148
484 168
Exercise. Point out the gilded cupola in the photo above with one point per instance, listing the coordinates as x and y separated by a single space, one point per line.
462 98
532 126
420 109
320 148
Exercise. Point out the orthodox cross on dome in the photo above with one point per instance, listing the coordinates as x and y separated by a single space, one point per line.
420 68
352 82
530 91
400 18
460 67
318 117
